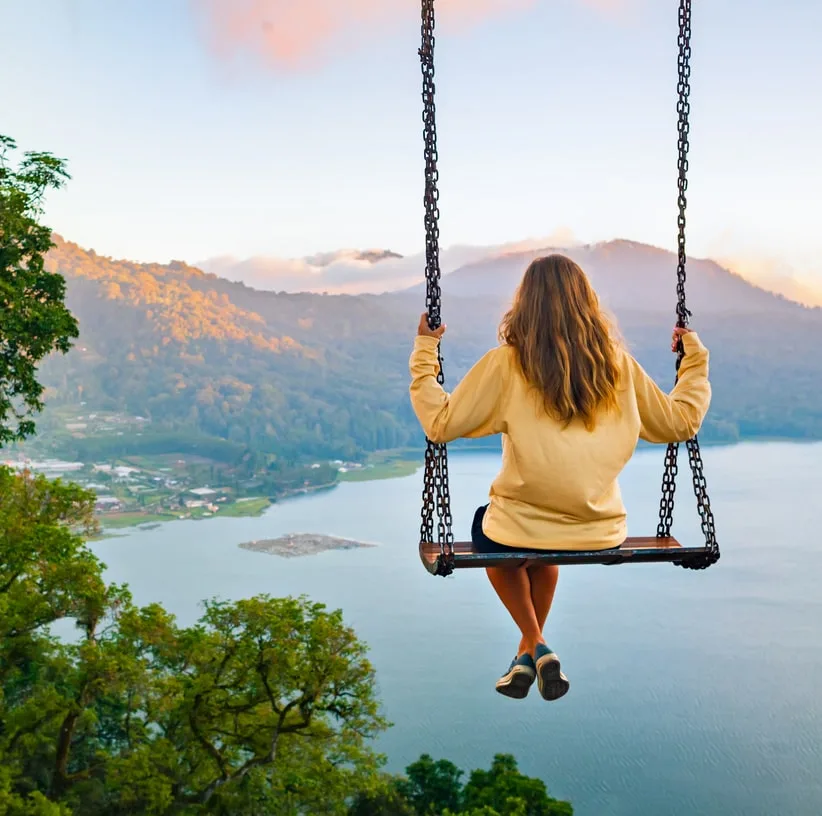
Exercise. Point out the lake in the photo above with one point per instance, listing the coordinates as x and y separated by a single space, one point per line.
691 692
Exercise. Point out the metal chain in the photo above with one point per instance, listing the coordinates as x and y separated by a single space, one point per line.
683 109
436 497
703 504
666 505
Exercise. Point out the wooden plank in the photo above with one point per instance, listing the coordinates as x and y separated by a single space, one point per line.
639 549
645 542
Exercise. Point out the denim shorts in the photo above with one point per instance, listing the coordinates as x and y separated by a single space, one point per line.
482 543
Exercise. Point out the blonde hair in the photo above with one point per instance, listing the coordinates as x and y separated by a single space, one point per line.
566 346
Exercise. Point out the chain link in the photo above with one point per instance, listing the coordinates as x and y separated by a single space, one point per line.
436 497
666 505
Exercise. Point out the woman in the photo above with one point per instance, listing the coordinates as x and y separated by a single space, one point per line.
571 404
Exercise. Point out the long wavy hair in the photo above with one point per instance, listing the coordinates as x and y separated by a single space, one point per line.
567 347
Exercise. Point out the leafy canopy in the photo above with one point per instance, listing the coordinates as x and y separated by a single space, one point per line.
34 320
266 705
434 788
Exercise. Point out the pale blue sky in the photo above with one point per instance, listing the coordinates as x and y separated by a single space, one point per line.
557 117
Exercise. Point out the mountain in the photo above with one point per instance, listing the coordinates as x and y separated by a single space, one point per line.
311 375
627 275
379 271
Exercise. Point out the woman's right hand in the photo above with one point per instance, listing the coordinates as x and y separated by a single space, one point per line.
679 331
424 330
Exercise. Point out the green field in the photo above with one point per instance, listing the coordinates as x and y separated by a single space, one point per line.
252 507
115 521
389 465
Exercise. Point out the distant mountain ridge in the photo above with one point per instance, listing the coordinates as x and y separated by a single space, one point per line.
326 376
379 271
627 275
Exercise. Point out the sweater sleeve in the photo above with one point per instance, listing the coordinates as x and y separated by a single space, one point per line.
675 417
472 410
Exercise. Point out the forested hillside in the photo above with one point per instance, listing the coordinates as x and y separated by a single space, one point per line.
304 375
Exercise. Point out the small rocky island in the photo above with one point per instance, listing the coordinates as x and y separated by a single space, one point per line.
295 545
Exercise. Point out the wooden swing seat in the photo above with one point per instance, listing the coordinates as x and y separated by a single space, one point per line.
638 550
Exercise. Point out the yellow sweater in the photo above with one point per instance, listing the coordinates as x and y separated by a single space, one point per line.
557 489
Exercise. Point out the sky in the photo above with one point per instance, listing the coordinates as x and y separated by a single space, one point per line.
203 128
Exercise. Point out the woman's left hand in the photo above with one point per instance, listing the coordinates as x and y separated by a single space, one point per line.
678 333
424 330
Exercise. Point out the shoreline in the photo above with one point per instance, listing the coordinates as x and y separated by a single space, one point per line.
394 464
258 505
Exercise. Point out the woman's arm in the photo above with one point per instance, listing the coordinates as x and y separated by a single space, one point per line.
472 410
675 417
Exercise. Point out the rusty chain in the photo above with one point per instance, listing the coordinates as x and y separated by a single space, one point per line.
436 497
666 505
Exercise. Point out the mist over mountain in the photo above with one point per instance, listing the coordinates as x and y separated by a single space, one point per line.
351 271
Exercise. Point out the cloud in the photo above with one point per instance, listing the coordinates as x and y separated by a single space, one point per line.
352 272
343 275
296 34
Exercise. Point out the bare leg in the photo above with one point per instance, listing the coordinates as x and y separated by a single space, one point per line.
543 578
513 586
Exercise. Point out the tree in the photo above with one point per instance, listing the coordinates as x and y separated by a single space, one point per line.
34 320
432 786
46 571
385 800
264 706
46 574
508 792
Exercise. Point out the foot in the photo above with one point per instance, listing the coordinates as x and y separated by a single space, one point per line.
519 678
552 683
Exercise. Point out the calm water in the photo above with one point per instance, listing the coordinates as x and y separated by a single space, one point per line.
691 693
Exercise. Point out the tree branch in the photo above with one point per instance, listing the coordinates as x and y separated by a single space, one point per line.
205 743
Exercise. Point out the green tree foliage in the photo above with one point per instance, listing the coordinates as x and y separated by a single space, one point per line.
385 799
433 788
34 320
264 706
504 790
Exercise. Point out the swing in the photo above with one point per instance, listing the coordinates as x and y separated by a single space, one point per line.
441 556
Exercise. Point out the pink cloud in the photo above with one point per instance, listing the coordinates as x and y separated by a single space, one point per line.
295 34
